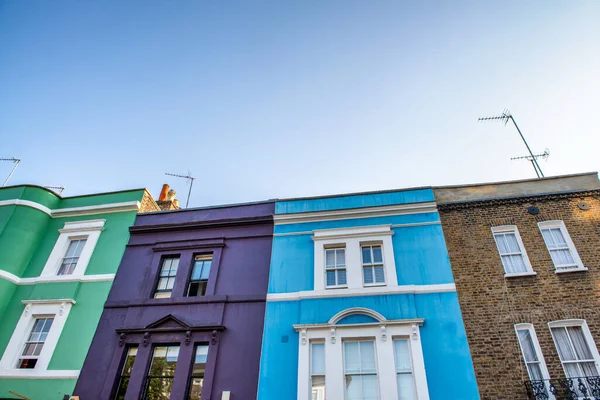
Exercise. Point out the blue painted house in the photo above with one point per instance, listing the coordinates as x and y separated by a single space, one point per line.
361 302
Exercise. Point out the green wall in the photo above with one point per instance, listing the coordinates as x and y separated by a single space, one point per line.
27 237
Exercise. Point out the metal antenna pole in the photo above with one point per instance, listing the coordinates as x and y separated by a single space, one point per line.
505 116
191 179
16 161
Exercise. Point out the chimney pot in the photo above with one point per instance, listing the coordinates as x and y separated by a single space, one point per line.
171 195
163 193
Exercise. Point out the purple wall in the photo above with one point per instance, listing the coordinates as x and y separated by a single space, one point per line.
229 317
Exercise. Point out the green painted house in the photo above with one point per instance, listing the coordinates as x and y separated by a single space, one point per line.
58 258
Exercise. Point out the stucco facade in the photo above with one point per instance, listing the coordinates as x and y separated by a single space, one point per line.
41 284
155 305
363 279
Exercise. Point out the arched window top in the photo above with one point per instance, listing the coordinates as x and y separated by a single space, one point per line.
356 315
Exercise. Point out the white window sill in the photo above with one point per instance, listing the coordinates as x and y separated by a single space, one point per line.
336 287
374 284
518 274
567 270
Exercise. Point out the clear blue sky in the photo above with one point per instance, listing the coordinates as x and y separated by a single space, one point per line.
263 99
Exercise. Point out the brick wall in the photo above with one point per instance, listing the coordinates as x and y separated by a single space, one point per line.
491 304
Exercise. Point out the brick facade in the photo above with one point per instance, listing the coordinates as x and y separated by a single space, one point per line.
491 304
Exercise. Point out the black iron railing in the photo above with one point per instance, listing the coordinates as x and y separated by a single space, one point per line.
583 388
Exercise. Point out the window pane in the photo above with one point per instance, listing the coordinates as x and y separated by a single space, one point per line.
561 340
353 387
330 258
318 388
558 237
379 275
406 387
196 388
196 271
562 257
366 255
330 278
582 351
367 357
368 275
369 383
502 247
206 269
318 359
340 257
341 277
589 369
377 255
401 355
513 245
535 372
351 357
527 346
197 379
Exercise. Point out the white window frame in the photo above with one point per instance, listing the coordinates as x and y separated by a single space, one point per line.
312 374
383 332
59 310
586 333
353 239
563 229
537 348
372 264
513 229
90 230
335 248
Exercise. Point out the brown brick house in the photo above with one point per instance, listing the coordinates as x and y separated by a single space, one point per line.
526 262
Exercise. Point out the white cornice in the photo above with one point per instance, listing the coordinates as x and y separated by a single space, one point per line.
55 279
393 226
42 374
367 212
411 321
369 291
359 231
49 301
75 211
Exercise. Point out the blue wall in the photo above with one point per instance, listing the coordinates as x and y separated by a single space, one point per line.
447 360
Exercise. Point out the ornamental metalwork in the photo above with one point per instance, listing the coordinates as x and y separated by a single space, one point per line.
581 388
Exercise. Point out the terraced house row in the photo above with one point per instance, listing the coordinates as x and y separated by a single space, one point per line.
461 292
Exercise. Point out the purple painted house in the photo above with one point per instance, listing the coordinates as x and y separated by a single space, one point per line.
184 318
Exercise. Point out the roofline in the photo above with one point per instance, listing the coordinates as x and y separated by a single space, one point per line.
547 178
74 197
328 196
249 203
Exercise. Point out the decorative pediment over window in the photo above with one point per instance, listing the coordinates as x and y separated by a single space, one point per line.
356 315
169 323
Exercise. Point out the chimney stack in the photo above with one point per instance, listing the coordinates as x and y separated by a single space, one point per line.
163 193
167 201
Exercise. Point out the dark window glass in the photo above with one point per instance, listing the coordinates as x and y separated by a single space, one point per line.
168 271
162 371
199 277
126 373
197 378
71 257
35 343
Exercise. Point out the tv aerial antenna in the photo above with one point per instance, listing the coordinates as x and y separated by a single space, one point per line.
189 179
14 160
506 116
57 189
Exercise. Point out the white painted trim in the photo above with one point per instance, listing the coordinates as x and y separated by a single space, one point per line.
355 311
371 291
55 279
73 230
394 226
563 229
353 239
26 203
536 346
59 309
365 212
98 209
46 374
518 274
568 270
382 335
515 230
586 333
75 211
